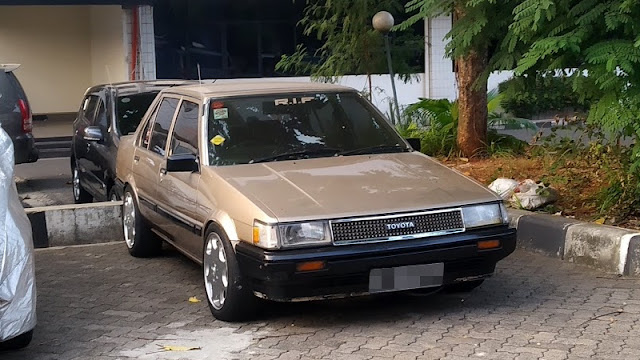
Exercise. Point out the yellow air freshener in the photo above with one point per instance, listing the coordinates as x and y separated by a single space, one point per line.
217 140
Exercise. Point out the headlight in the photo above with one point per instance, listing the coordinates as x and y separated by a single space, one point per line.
305 234
483 215
290 235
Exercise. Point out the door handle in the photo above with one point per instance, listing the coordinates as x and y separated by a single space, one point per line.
136 159
163 171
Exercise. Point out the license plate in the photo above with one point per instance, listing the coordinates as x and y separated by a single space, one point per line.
405 277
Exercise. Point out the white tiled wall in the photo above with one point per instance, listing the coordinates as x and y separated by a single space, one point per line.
146 64
443 80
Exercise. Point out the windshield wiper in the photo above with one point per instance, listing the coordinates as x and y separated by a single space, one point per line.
296 155
378 149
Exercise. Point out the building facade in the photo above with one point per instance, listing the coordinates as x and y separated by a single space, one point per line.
65 46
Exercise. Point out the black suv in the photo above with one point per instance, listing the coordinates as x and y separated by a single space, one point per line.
15 115
106 113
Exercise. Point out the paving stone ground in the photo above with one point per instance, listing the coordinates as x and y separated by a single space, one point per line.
97 302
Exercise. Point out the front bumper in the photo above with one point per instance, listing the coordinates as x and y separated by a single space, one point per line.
24 149
273 274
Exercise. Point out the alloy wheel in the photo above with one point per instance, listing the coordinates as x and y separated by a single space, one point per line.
129 219
216 271
76 184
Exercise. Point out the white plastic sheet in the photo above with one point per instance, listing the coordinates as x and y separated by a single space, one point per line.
526 194
17 270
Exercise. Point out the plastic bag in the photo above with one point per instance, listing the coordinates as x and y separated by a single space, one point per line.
504 187
17 270
530 195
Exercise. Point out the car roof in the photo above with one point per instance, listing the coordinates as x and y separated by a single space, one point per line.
239 88
141 86
8 67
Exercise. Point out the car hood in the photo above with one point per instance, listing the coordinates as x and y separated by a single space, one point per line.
346 186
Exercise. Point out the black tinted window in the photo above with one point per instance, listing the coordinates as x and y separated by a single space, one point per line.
89 108
131 109
101 116
8 95
185 132
161 126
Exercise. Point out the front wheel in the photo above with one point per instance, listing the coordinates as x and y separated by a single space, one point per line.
140 241
18 342
229 298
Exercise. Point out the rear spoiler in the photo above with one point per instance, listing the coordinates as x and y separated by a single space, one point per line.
9 67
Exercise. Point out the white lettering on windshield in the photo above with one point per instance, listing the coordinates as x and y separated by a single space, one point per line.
294 101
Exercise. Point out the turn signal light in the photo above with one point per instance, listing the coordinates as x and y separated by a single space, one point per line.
488 244
310 266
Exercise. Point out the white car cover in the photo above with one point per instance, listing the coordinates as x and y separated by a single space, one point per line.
17 269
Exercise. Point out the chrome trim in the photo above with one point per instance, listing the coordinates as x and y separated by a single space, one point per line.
398 237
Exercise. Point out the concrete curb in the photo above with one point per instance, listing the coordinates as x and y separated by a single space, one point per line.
608 248
80 224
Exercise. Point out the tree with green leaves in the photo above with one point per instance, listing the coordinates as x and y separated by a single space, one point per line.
349 43
476 44
597 44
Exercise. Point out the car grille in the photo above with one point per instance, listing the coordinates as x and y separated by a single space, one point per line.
397 227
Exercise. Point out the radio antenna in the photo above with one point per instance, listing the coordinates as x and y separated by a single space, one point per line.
108 75
199 75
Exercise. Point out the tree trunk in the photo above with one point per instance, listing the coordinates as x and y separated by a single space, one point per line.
472 98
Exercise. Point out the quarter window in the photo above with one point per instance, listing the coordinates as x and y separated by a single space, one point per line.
167 109
185 132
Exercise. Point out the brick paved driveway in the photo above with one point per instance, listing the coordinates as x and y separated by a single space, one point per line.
96 302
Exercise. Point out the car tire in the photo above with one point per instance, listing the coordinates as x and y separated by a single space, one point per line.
80 195
463 287
228 296
138 237
18 342
113 195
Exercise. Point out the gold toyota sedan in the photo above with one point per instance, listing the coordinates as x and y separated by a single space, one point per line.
300 191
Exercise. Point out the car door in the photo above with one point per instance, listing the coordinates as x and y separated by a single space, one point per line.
177 191
98 157
82 147
149 157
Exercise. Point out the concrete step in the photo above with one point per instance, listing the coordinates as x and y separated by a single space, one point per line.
51 147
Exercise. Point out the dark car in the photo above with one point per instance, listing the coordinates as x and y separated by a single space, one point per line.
106 113
15 115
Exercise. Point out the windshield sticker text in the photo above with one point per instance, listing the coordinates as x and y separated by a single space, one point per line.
294 101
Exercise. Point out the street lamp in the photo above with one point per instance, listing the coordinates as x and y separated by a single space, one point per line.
383 22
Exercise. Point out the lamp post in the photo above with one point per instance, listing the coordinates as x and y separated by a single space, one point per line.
383 22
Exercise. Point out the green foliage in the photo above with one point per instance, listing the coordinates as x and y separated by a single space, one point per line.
350 44
528 96
435 122
600 41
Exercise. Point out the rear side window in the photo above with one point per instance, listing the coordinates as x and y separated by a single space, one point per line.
167 109
185 132
131 109
9 95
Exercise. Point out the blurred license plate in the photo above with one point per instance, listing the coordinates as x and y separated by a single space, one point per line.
405 277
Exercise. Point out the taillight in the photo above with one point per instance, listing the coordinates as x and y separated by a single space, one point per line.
27 119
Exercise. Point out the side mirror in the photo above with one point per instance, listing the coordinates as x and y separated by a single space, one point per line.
93 133
415 143
182 163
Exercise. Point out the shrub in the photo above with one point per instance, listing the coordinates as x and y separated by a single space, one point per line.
529 96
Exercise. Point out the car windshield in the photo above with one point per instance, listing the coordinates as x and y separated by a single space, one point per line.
247 130
131 109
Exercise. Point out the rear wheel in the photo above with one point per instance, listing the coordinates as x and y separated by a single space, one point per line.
140 241
80 195
229 297
18 342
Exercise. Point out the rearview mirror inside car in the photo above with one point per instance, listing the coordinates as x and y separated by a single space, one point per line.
182 163
93 133
415 143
